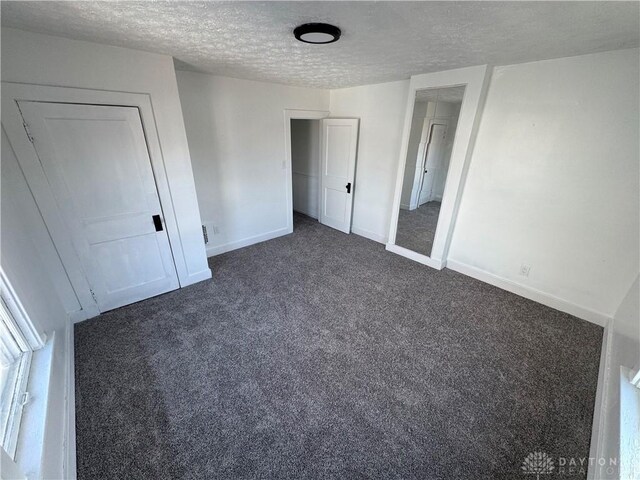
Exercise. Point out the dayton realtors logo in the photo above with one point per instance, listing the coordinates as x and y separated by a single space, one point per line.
538 463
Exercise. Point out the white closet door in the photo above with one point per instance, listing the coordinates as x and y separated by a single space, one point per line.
97 164
338 164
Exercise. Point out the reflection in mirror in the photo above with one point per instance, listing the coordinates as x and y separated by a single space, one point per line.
433 127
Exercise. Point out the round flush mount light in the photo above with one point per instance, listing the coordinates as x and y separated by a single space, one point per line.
317 33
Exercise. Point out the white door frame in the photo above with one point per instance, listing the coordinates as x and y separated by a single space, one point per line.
476 81
290 114
36 179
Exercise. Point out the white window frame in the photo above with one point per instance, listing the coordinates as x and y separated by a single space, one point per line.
20 336
20 316
13 398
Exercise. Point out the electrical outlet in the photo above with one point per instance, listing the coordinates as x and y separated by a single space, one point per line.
524 270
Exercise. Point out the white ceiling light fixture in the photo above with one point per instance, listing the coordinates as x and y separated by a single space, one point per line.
317 33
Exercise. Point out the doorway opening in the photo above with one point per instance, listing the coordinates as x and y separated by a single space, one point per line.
320 162
305 168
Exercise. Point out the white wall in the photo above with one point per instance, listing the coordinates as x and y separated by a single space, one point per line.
24 253
554 180
23 233
47 60
237 141
380 109
627 324
305 165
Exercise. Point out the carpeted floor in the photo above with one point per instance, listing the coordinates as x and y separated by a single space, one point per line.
416 228
321 355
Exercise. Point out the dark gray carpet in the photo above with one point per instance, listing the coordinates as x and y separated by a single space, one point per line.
416 228
321 355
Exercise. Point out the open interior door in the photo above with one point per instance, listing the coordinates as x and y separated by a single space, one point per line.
339 144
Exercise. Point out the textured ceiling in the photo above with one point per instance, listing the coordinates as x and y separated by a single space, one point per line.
449 94
381 41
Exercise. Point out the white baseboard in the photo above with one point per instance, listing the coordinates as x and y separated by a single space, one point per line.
213 250
601 406
525 291
376 237
69 465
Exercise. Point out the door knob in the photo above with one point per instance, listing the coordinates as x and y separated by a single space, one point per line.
348 187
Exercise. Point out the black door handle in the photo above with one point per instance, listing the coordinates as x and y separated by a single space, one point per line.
349 187
157 222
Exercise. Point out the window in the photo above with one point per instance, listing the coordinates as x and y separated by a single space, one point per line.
19 343
15 359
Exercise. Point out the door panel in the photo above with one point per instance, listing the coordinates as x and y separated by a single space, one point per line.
129 262
338 142
338 162
96 161
97 186
335 206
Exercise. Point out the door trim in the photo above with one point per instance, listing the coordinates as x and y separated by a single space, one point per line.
36 179
291 114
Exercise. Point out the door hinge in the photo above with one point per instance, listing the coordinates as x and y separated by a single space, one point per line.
205 234
93 294
26 129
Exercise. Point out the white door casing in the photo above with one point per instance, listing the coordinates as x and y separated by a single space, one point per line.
339 142
97 164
